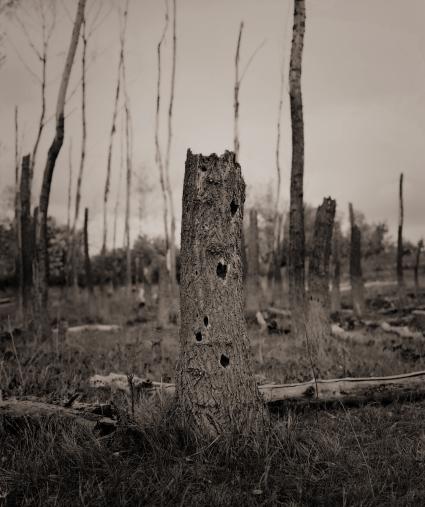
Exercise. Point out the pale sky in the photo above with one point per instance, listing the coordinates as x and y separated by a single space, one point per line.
363 87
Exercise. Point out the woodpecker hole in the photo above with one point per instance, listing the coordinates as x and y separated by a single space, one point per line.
234 208
224 361
198 336
221 270
206 321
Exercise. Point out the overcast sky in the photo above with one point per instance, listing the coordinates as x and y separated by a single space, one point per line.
363 88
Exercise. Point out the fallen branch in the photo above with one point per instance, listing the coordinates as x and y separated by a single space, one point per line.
94 327
279 311
93 416
347 390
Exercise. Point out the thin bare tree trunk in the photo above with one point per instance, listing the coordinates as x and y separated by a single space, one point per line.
55 147
17 226
318 325
400 275
336 271
111 136
356 275
417 265
117 201
296 213
252 286
87 262
26 249
215 386
129 147
236 144
68 261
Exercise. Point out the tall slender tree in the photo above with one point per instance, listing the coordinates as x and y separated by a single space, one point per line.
296 212
55 147
400 274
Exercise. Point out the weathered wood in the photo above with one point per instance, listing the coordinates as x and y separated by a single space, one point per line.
356 276
252 284
87 262
296 210
402 331
26 235
216 389
400 275
92 416
318 325
417 264
336 271
93 327
346 390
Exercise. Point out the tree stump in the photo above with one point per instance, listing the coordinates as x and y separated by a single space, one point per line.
253 287
318 325
215 386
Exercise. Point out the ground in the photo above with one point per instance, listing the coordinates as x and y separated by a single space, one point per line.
368 455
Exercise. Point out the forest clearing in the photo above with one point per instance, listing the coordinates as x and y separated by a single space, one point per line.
173 330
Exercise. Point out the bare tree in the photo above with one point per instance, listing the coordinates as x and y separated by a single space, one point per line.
296 213
117 200
236 144
55 147
113 130
253 288
400 275
417 264
17 223
26 237
87 263
356 275
129 156
215 387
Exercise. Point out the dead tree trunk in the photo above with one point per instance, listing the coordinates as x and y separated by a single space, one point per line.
318 325
26 250
164 296
252 286
417 264
87 262
17 226
55 147
336 271
216 389
356 276
400 277
296 213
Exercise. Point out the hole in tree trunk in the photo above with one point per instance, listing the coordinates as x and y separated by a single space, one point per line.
206 321
198 336
203 168
224 361
234 208
221 270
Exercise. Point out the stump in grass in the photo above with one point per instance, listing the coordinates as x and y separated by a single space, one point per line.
318 326
356 276
215 387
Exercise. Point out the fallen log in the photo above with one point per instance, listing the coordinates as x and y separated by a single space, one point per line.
402 331
279 311
93 327
346 390
94 417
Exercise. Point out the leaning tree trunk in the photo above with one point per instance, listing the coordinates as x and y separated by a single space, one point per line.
356 275
336 271
318 325
26 236
296 213
417 264
252 287
55 147
400 277
215 385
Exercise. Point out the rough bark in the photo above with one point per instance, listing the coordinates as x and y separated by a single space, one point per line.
417 265
216 388
400 274
26 251
252 286
356 275
318 325
296 268
55 147
236 144
336 270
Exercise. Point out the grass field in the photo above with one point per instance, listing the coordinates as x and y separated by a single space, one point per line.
371 455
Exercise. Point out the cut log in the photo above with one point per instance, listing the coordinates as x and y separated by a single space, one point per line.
93 416
347 390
